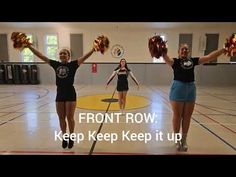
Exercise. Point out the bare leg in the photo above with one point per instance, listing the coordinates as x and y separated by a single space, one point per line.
177 108
120 94
124 99
70 111
61 112
187 114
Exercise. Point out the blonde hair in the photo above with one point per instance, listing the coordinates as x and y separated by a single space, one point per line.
183 44
67 51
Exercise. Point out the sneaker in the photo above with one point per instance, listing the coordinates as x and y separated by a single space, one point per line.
64 144
178 146
71 143
184 145
122 111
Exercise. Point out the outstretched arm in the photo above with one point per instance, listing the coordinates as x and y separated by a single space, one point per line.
83 58
38 54
111 77
168 60
134 78
211 56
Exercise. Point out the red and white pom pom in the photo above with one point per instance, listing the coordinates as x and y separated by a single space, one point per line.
157 46
101 44
20 40
230 46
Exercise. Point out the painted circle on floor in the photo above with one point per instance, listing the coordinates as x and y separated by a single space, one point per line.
101 102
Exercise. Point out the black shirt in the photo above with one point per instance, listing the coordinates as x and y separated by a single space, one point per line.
184 69
122 75
65 72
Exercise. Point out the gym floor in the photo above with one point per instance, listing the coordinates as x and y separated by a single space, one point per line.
28 121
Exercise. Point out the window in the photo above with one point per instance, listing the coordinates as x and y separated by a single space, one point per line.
3 48
26 54
212 41
159 60
51 46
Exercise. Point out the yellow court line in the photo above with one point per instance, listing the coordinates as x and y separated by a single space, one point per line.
94 102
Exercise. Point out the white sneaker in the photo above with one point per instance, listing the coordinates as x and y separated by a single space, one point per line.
178 146
184 145
123 111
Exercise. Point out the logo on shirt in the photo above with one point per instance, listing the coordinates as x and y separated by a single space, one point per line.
62 71
186 63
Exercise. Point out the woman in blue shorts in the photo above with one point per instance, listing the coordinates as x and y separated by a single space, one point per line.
183 91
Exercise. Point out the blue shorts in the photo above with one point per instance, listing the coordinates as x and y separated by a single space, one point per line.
183 91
